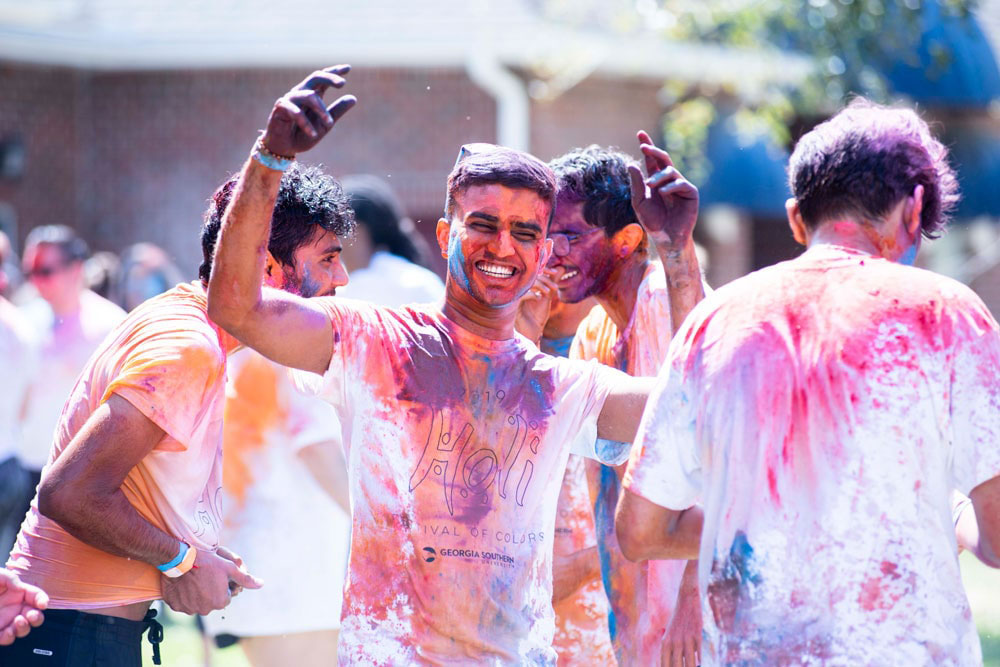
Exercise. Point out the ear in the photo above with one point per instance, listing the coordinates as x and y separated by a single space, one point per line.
443 234
272 271
912 211
628 238
799 230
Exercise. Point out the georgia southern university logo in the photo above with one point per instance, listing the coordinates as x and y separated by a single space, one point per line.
429 554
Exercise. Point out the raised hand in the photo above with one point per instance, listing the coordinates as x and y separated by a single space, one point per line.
534 308
209 585
20 607
665 202
300 117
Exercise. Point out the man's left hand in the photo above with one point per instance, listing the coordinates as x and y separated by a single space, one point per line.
666 203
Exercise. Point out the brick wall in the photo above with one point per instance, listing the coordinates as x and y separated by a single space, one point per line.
133 156
125 157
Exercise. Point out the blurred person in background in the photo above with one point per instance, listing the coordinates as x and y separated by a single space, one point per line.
18 358
282 452
101 274
388 259
69 322
146 271
10 273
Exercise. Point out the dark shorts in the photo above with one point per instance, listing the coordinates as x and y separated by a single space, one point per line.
70 638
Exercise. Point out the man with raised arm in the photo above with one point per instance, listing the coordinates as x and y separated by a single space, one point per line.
824 408
456 429
602 250
128 509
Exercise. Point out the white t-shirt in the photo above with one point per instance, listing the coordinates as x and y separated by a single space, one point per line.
20 359
288 531
824 409
65 345
390 280
456 448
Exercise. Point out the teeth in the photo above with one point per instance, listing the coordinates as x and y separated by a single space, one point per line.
569 275
495 270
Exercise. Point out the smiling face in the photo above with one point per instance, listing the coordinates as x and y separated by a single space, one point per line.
495 243
584 253
318 270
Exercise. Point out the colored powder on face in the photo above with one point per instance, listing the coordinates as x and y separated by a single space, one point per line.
456 260
308 287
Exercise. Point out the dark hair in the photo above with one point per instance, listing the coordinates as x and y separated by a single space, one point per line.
377 208
598 177
72 247
865 160
486 164
307 198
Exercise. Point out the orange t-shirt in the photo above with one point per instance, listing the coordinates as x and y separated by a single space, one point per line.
169 361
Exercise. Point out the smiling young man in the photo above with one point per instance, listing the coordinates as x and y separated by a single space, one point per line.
456 429
602 250
127 511
824 408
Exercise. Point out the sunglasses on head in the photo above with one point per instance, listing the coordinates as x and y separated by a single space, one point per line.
471 149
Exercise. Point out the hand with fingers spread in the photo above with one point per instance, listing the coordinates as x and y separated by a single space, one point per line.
21 607
534 307
300 118
665 202
210 584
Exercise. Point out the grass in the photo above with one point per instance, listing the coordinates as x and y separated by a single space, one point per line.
183 647
982 585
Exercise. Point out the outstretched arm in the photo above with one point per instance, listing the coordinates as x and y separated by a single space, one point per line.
260 317
666 204
623 408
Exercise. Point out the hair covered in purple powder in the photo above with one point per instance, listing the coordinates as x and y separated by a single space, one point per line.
865 160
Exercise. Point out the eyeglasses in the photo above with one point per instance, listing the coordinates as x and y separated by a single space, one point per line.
563 241
45 271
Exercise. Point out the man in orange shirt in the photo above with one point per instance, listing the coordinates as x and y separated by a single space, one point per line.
128 511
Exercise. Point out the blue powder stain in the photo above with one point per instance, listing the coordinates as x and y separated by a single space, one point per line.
604 517
910 256
741 560
456 261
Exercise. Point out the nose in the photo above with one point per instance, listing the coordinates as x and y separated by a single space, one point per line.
340 275
502 245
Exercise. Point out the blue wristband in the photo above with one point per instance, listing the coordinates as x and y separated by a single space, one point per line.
182 551
269 159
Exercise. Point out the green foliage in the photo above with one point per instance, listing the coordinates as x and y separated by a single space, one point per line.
851 43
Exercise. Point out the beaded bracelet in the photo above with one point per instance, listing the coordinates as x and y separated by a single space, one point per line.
269 159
